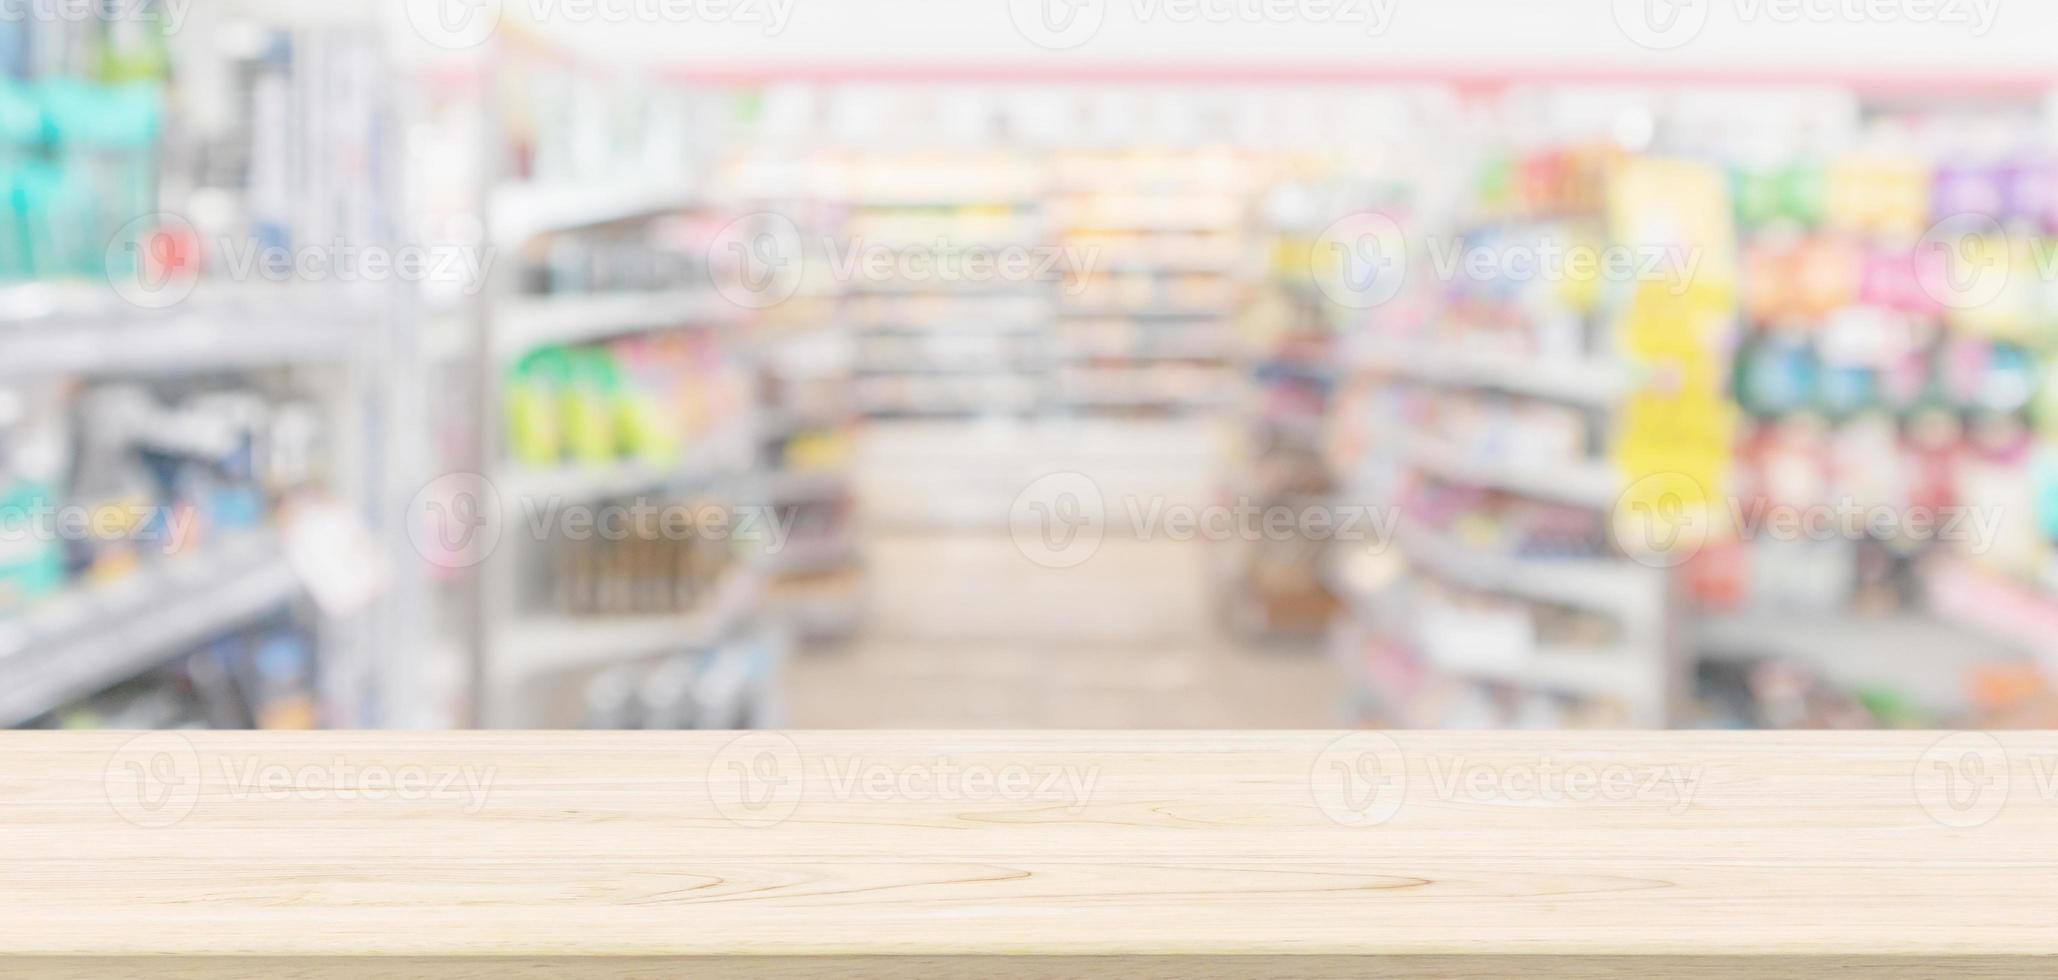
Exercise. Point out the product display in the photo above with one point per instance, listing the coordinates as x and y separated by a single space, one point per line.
529 379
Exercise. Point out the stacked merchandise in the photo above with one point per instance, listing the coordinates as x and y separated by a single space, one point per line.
947 323
1274 585
728 686
1143 314
628 409
1897 322
1481 418
258 676
141 520
809 446
948 304
628 392
165 482
808 434
1824 430
81 111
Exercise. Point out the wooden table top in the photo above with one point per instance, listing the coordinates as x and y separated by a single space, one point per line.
1039 854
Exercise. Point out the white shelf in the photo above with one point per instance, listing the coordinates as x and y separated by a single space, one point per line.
81 328
978 367
528 646
959 326
807 557
722 454
1586 484
823 617
75 644
791 486
1593 383
1120 312
524 210
1917 657
1622 587
1617 672
525 324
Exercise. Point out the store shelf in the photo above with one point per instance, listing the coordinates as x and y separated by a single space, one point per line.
523 210
1619 586
534 645
822 617
950 406
1196 403
1614 672
1586 484
955 326
995 367
778 422
1925 660
1143 358
524 324
83 641
1597 384
56 329
793 486
1119 312
718 456
815 555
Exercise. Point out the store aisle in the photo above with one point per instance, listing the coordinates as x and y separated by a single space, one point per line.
965 632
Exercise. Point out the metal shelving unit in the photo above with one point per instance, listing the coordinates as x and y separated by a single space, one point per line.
94 636
516 651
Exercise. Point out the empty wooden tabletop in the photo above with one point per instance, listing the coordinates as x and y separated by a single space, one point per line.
1176 854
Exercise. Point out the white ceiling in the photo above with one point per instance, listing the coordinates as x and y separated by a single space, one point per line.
1871 38
1987 36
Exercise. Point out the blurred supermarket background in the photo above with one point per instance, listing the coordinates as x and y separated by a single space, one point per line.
1050 363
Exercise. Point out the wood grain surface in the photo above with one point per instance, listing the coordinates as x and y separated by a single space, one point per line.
1174 854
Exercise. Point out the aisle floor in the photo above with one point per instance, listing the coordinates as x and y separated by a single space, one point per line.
963 632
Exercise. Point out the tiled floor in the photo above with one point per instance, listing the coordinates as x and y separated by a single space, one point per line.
963 631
